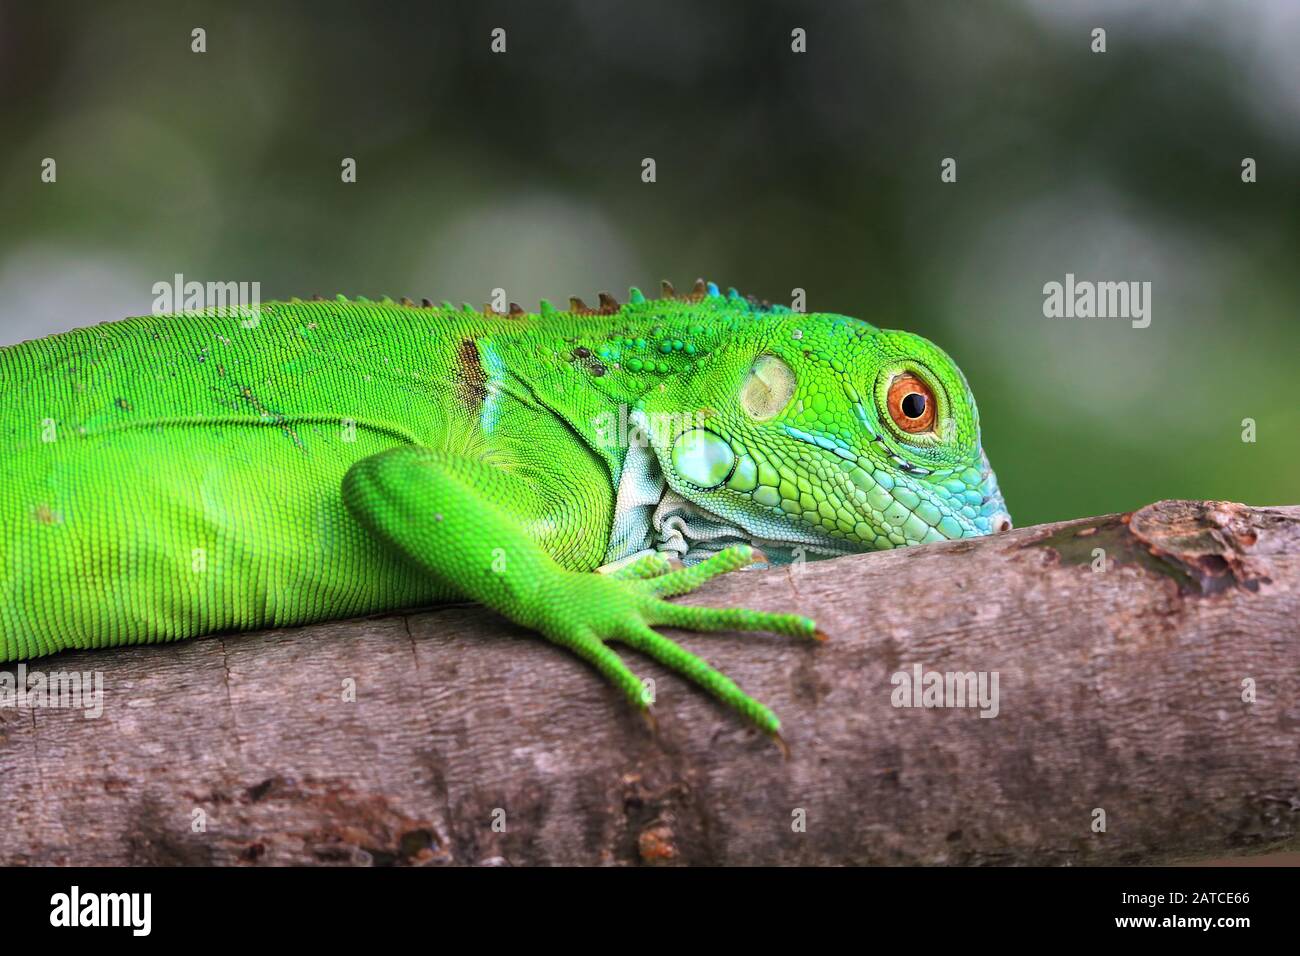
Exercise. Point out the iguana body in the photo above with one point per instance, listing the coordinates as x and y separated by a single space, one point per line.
171 476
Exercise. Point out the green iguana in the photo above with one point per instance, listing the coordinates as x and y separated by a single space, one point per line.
169 476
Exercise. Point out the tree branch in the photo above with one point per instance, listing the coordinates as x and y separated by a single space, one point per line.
1118 690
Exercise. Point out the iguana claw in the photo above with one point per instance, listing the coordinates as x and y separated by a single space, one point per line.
625 607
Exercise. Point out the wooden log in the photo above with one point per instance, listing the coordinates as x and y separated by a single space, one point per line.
1160 689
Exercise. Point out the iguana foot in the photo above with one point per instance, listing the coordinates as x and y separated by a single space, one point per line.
592 611
649 566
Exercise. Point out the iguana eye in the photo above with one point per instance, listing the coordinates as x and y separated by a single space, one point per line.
911 403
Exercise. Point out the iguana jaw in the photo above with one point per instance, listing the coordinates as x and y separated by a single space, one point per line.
887 504
990 514
656 510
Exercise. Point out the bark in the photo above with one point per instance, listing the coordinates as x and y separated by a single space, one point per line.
469 741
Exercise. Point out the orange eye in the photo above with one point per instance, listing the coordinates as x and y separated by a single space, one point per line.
911 403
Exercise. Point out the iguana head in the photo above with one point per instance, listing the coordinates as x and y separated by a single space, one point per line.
823 430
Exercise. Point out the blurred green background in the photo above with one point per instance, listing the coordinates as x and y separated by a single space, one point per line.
775 171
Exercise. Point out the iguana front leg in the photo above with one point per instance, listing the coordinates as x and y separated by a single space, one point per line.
466 523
